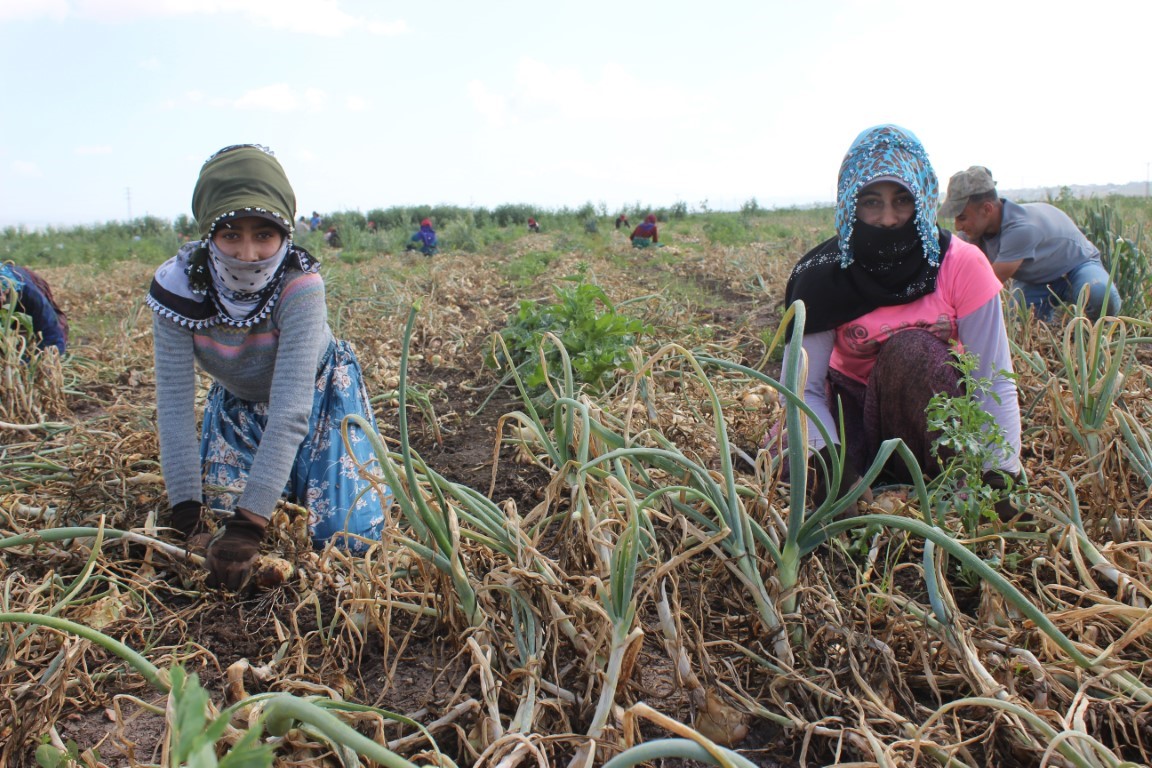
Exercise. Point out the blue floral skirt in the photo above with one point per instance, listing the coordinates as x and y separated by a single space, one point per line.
326 476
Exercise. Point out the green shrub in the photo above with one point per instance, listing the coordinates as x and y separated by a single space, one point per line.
595 336
462 234
724 229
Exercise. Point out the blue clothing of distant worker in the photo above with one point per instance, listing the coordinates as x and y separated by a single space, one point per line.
424 240
34 298
315 222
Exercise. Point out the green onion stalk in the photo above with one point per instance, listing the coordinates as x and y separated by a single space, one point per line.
284 711
1059 740
680 749
619 600
1095 366
154 676
805 532
437 530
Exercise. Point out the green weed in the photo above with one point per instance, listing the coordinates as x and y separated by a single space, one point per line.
524 269
969 440
50 756
597 337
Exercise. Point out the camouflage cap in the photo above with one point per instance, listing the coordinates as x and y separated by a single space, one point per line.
977 180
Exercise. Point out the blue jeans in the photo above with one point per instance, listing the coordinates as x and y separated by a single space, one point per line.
1042 298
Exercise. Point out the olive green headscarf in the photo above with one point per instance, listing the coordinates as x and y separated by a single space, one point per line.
243 180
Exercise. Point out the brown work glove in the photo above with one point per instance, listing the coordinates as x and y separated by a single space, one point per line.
816 477
1001 481
186 518
234 549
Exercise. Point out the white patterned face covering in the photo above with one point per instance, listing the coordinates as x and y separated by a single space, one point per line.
240 285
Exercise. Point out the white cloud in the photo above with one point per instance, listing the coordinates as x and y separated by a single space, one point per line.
186 100
614 95
26 169
150 65
101 149
389 28
608 109
314 17
315 99
492 106
26 10
356 103
280 97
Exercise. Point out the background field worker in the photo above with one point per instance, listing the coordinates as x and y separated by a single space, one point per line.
887 298
622 221
1035 245
424 240
247 305
33 297
645 233
532 225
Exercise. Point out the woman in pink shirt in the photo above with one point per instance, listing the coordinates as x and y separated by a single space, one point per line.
885 300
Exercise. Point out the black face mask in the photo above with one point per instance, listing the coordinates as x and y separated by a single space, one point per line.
888 268
889 255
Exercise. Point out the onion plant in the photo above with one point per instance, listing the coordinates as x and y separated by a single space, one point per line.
1089 560
1095 362
690 746
436 529
441 513
789 541
1125 257
619 601
1073 744
193 730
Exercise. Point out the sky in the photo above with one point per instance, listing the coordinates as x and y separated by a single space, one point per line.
111 106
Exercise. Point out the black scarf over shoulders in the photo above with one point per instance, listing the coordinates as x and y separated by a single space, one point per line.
889 269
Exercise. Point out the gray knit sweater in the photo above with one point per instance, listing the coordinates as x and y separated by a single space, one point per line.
273 361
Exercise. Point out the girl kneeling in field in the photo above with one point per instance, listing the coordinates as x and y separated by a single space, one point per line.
248 306
885 299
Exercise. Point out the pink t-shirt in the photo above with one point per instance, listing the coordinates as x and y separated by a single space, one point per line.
965 283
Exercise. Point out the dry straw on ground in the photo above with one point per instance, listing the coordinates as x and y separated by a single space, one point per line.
585 599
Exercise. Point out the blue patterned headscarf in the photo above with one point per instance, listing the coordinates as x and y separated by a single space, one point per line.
893 153
895 265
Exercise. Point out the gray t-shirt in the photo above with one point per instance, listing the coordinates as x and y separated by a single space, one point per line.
1041 236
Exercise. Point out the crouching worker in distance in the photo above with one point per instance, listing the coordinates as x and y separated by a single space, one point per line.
885 299
424 239
248 306
646 233
24 291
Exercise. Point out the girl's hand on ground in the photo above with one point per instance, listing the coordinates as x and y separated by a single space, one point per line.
187 519
234 549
